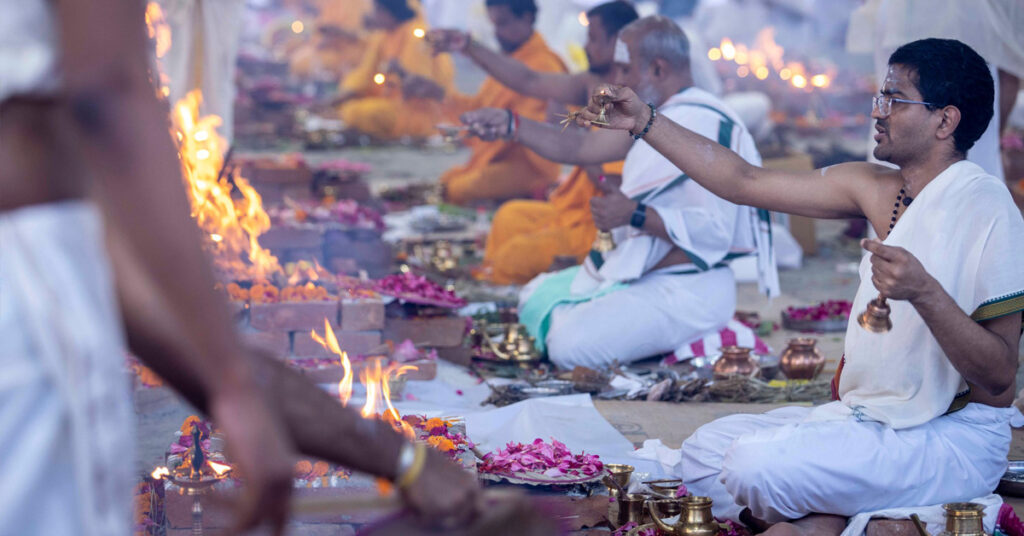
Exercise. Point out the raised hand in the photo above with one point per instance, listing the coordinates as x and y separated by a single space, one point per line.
615 107
448 40
488 124
612 209
896 273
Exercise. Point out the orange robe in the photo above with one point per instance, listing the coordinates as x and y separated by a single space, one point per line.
526 236
380 110
503 170
333 56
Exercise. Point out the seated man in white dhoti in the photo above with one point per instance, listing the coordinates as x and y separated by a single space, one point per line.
923 412
667 282
89 182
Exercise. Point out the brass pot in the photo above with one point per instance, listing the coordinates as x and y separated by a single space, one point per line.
620 474
964 519
735 361
801 360
695 519
627 509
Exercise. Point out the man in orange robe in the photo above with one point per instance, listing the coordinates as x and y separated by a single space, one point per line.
372 100
338 41
498 171
527 237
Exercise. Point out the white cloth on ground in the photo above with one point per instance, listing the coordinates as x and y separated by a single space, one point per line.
656 314
934 517
962 227
783 467
28 48
65 411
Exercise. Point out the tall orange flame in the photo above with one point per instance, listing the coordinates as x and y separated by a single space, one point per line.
330 342
233 225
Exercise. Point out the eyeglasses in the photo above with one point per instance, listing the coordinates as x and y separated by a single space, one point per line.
883 103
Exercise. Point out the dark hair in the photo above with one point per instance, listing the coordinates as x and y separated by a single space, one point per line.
949 73
517 7
399 9
614 15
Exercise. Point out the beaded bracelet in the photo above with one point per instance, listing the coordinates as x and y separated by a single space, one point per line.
654 114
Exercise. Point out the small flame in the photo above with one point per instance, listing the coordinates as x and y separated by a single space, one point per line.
160 472
158 29
761 72
799 81
379 79
330 342
728 49
820 80
715 54
377 380
785 74
584 21
298 27
216 237
218 468
419 33
742 71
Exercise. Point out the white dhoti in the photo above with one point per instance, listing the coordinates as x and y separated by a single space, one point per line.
783 468
657 314
66 427
616 306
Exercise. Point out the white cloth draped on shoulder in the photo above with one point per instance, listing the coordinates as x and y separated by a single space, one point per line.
966 231
708 228
65 413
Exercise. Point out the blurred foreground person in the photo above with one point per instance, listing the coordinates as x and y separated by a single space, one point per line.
90 187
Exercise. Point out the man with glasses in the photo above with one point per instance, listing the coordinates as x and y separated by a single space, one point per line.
922 413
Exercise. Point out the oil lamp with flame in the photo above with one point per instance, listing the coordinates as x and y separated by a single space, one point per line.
195 484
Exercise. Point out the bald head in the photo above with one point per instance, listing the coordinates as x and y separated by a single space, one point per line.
658 38
654 58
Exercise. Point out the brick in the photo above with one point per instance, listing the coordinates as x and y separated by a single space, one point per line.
891 527
460 355
285 237
352 342
293 316
362 315
279 343
441 331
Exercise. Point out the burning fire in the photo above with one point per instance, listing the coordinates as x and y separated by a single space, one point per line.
377 379
160 472
233 225
159 32
218 468
765 57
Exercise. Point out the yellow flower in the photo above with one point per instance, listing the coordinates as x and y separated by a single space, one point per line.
186 427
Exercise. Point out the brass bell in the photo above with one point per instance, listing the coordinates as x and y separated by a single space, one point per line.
603 242
876 317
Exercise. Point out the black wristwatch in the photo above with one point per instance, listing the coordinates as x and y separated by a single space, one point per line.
639 216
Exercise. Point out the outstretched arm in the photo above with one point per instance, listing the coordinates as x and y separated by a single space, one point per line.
829 193
571 145
513 74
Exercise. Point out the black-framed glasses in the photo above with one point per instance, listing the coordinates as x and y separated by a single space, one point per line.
883 103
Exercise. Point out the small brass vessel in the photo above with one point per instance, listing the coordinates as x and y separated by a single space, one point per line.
516 345
603 242
628 508
735 361
443 257
964 519
876 317
664 488
620 474
694 520
802 360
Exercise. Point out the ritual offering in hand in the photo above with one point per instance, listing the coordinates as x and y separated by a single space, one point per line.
541 463
827 316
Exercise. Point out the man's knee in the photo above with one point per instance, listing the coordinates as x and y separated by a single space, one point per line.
569 348
757 477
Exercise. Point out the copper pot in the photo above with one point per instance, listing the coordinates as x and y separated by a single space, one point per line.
801 360
735 361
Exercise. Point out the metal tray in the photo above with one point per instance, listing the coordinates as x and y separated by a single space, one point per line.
1012 482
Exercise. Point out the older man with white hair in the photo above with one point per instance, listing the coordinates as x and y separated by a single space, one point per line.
667 282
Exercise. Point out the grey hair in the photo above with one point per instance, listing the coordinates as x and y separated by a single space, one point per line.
659 38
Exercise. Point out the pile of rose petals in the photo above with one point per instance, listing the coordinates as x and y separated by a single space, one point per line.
417 289
828 310
551 460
